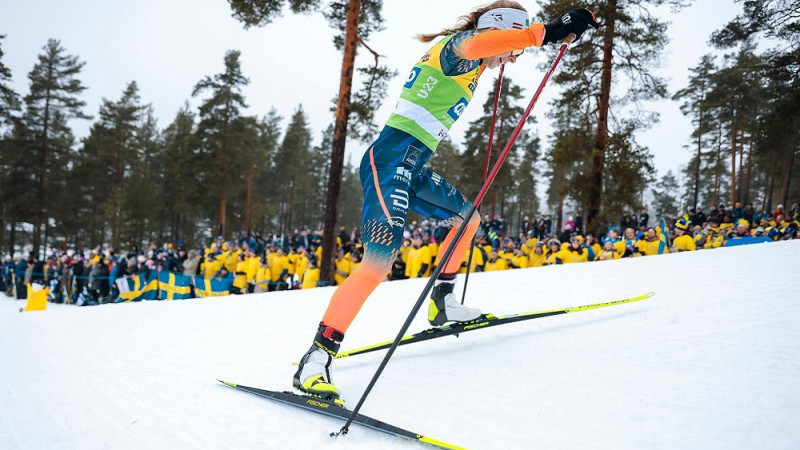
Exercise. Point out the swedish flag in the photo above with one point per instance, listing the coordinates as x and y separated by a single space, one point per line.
141 286
173 286
212 287
663 237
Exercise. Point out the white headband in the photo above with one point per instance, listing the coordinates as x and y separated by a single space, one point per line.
504 19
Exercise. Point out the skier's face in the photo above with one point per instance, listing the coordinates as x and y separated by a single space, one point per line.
497 60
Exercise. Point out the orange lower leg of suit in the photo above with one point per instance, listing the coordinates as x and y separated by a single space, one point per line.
351 295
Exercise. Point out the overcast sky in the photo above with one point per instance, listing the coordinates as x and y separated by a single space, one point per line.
168 46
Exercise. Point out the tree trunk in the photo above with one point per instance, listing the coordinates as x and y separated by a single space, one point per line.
249 201
598 157
11 237
787 179
222 204
741 165
771 184
339 140
746 194
697 173
733 164
560 208
43 150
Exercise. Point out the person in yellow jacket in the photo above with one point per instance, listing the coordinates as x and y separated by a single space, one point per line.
553 255
263 276
715 236
629 248
529 245
574 253
252 270
292 258
311 274
516 259
279 270
433 249
302 264
211 267
418 260
478 262
594 247
342 264
616 241
537 256
650 244
609 252
495 263
240 276
405 248
683 242
318 252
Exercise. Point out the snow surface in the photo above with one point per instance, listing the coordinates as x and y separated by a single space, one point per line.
711 361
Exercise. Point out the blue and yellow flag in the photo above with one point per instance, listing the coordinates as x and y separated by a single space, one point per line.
663 238
212 287
174 286
138 287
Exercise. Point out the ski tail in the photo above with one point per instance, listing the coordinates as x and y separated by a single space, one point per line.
331 409
486 321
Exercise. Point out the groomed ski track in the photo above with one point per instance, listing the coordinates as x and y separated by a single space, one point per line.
711 362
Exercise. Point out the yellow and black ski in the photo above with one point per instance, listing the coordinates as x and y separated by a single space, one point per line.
485 321
334 409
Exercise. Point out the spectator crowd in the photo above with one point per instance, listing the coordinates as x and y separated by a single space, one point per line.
262 263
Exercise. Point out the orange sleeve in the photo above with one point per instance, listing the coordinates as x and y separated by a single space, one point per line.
497 42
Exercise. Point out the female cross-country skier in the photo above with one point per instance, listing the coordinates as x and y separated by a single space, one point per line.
395 178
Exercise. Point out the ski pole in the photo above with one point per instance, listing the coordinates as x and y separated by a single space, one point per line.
485 171
459 234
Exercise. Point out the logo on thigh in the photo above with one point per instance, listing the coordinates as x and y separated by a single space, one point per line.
399 200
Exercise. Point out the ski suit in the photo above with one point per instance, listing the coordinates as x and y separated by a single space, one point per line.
393 172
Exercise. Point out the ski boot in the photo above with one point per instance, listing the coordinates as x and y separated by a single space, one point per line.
444 307
313 375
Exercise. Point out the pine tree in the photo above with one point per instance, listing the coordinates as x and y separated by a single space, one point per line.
266 207
9 99
476 141
142 222
121 121
292 161
665 196
52 100
318 172
259 168
181 190
778 130
738 100
624 50
219 115
696 106
357 19
9 103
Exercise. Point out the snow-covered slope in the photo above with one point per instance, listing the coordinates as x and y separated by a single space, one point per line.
711 361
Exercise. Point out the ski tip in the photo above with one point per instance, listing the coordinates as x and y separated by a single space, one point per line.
227 383
438 443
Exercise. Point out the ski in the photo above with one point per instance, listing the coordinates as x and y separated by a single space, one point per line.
333 409
485 321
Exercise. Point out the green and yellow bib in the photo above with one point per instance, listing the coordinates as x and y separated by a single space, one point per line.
431 101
